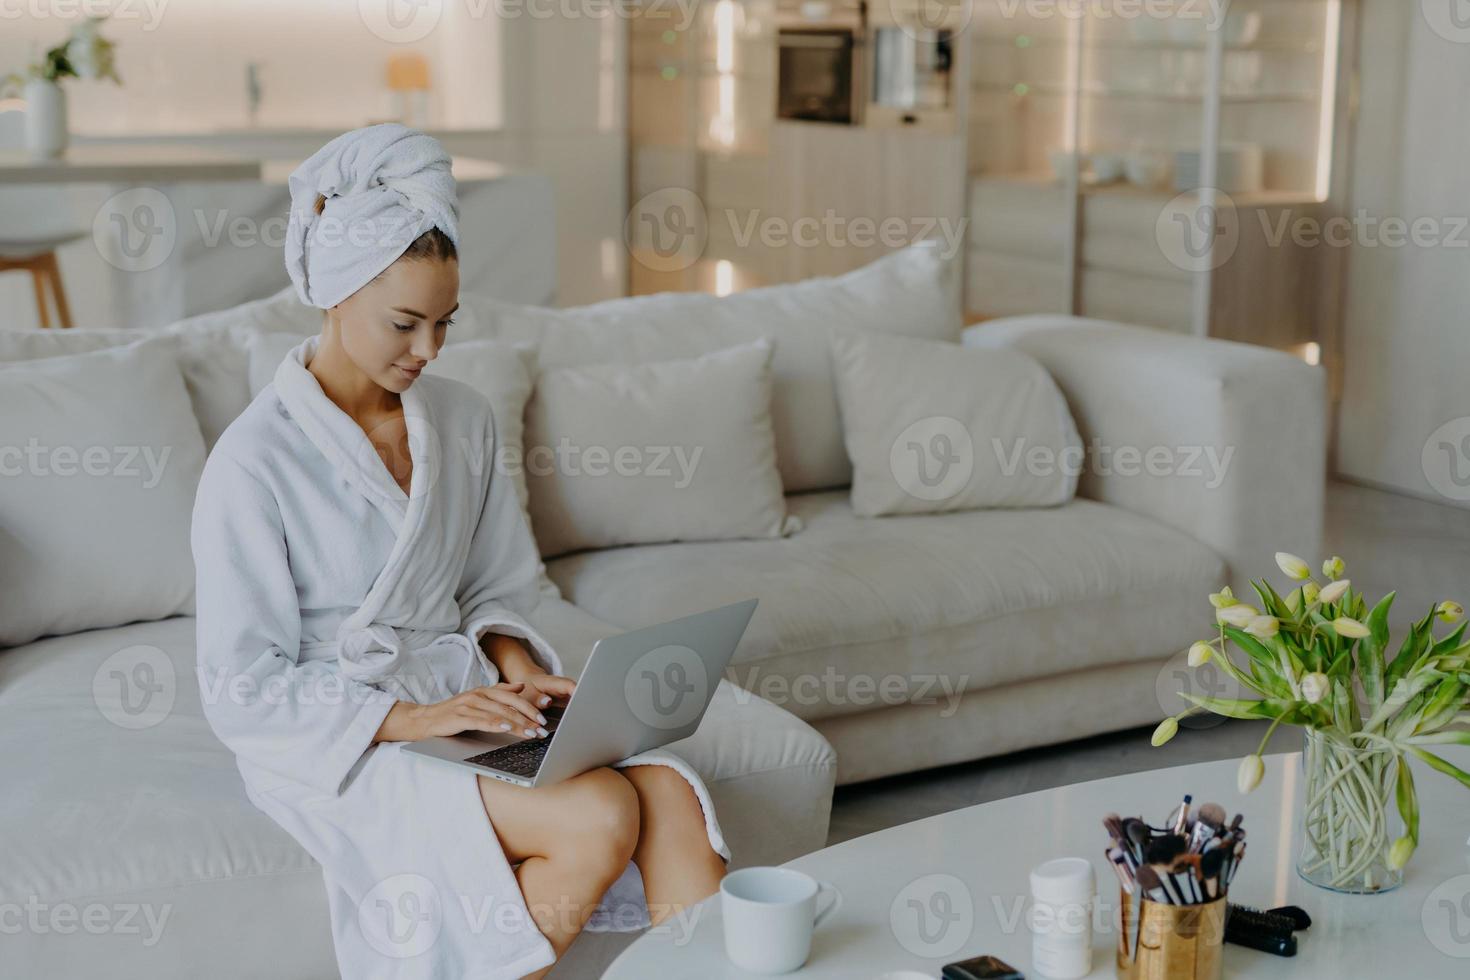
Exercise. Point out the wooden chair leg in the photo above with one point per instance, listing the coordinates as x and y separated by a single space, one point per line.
53 269
38 280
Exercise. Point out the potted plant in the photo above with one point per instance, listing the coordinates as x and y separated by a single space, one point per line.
84 54
1319 658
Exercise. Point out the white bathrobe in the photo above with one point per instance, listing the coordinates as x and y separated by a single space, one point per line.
325 593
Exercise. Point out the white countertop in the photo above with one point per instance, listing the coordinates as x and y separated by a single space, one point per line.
465 170
236 132
175 163
136 163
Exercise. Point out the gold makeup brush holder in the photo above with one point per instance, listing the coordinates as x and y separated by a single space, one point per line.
1171 942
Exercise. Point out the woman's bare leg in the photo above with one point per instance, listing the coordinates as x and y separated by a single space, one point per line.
673 855
572 841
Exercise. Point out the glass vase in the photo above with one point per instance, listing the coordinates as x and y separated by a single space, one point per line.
1350 817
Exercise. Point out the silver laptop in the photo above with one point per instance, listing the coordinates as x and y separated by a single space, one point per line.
640 690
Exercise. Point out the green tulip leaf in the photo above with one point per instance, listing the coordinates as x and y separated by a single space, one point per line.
1271 603
1235 708
1408 801
1435 762
1370 651
1440 738
1408 656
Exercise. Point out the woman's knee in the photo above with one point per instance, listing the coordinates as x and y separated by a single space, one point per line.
605 815
661 783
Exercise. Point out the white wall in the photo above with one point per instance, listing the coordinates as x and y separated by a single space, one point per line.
322 62
1406 343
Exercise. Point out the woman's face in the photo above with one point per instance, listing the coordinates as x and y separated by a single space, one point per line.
396 324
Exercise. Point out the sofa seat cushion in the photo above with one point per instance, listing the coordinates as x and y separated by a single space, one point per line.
124 803
858 613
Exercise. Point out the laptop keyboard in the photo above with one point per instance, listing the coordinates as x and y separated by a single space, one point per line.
520 759
523 758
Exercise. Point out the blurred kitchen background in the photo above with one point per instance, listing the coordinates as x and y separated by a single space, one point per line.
1057 145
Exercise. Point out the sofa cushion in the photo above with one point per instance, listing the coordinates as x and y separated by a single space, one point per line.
211 350
214 347
857 613
934 427
911 292
676 450
132 809
100 456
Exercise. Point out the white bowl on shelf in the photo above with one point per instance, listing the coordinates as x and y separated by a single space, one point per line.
1146 168
1147 30
1187 29
1243 27
1065 164
1107 167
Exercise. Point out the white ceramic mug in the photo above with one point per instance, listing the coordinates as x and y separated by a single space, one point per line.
770 914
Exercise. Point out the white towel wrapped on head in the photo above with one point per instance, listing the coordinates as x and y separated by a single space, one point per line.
378 189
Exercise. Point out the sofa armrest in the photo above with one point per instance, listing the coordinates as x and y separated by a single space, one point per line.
1225 441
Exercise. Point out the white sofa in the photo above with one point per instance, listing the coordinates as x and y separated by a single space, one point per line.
1047 625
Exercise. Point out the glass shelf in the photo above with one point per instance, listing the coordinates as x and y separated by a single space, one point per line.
1060 91
1024 42
1137 97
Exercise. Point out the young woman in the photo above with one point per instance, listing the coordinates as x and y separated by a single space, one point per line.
364 580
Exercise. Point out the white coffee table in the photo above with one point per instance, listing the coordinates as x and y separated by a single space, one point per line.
974 863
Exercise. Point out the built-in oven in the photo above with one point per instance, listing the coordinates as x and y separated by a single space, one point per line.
819 67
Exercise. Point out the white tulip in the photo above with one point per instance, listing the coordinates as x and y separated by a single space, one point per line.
1315 687
1238 615
1449 611
1167 729
1248 777
1293 566
1311 592
1402 850
1264 627
1349 627
1223 598
1335 590
1333 567
1200 653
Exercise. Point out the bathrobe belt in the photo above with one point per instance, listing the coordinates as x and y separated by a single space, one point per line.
423 663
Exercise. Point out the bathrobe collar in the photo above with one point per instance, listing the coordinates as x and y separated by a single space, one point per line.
344 443
377 641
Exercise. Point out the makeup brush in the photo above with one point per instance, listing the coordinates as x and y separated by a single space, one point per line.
1163 850
1212 814
1211 863
1161 855
1120 868
1179 819
1138 834
1151 885
1186 865
1235 864
1207 824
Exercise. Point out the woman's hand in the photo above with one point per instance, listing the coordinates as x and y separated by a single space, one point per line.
541 689
515 663
500 709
